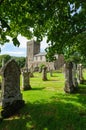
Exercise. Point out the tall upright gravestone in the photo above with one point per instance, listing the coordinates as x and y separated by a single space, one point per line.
11 95
69 87
80 74
44 74
26 80
71 84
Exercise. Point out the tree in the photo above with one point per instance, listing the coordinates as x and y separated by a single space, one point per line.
62 21
4 58
20 60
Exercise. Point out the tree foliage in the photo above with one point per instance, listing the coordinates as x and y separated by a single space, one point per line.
20 60
4 58
62 21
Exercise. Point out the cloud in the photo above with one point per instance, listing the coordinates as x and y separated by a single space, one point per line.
14 53
44 44
22 41
10 49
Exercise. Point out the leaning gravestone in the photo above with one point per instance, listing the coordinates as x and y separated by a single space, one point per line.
11 95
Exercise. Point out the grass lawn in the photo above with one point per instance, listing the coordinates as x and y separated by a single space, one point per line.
49 108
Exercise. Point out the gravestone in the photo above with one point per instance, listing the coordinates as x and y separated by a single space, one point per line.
31 71
74 76
11 95
0 84
40 69
31 74
44 74
80 74
51 72
26 80
69 87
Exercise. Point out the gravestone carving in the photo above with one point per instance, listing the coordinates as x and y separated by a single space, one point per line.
11 95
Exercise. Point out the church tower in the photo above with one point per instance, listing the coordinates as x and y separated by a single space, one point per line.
33 48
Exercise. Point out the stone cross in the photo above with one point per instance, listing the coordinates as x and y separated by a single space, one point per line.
11 86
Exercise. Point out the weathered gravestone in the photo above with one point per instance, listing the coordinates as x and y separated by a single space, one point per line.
11 95
69 87
26 80
0 85
74 76
31 71
51 72
44 73
31 74
80 74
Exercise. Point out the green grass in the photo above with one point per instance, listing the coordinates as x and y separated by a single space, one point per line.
49 108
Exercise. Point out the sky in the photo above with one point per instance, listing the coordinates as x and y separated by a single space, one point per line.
10 49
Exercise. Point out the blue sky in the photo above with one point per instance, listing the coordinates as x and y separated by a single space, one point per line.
9 48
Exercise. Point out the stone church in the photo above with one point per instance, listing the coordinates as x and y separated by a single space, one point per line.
35 58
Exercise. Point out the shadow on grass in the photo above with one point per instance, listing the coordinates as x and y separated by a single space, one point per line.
38 88
61 112
14 124
54 76
51 80
82 89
